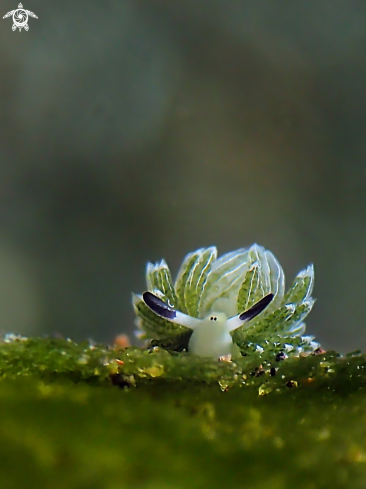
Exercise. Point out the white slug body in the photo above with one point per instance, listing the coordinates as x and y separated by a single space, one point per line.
211 338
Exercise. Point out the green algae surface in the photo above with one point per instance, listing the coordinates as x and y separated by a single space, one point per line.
81 416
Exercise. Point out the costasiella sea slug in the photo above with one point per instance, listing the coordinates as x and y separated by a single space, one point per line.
231 305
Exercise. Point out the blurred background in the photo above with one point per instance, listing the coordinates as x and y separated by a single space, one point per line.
138 130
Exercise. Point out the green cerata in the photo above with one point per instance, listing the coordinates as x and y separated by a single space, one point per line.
226 307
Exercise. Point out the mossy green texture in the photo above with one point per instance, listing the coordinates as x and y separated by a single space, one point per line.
76 416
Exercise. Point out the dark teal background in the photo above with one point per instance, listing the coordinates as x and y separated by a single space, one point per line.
139 130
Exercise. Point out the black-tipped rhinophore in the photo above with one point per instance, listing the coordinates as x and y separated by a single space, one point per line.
158 306
256 309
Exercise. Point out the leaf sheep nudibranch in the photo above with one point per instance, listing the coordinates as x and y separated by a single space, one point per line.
227 305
